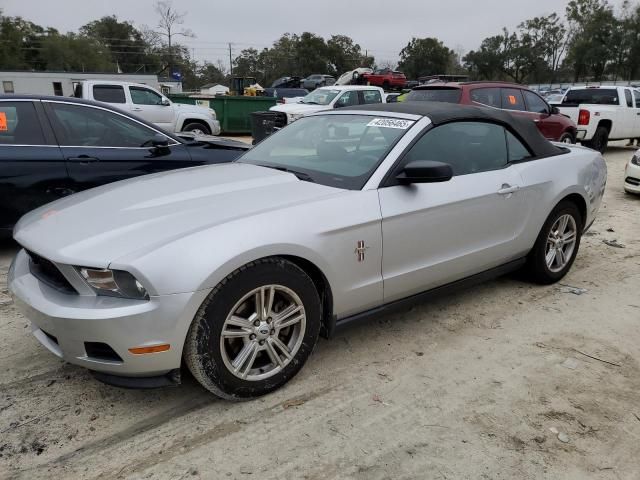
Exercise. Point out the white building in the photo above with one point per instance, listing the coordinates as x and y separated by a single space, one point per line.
63 83
214 89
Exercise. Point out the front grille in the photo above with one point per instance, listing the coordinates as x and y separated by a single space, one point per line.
101 351
632 181
47 272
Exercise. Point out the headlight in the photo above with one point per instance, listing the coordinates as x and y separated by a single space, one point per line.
212 112
636 159
113 283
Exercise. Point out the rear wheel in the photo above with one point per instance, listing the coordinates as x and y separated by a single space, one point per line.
197 127
255 331
567 138
599 140
557 244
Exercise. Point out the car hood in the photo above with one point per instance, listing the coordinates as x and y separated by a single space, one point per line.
299 108
133 217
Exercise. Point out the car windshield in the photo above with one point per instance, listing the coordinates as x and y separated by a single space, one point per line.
449 95
336 150
320 96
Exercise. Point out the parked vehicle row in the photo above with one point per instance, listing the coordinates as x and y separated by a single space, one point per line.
150 105
135 279
603 113
329 98
52 147
517 99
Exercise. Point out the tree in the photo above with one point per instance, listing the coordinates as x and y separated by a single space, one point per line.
343 54
169 26
122 40
425 56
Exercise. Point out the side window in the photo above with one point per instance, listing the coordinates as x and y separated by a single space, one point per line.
512 99
57 89
19 124
534 103
109 93
348 98
93 127
144 96
637 94
486 96
628 97
517 151
469 147
371 96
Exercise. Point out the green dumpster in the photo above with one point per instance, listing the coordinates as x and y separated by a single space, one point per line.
234 113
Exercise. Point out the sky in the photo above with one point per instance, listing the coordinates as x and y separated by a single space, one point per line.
381 27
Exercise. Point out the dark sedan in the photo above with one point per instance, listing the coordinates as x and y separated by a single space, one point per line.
51 147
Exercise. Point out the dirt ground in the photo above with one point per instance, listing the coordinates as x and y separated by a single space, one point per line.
494 383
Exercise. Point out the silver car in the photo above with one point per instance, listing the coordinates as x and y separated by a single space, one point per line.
238 268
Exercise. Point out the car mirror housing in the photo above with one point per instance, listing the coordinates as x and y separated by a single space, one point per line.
159 141
165 102
425 171
555 111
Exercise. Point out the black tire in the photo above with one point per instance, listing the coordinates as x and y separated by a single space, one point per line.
195 126
202 351
567 137
537 266
600 140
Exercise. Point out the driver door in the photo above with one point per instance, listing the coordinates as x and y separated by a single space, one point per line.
100 146
147 104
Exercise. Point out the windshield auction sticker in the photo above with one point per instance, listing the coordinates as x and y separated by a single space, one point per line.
3 122
390 123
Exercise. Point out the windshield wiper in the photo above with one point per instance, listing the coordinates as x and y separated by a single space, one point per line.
301 175
311 103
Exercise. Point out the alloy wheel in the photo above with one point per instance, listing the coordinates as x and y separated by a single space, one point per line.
561 243
263 332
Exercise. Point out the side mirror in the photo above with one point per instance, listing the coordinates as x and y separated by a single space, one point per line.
159 141
555 111
424 171
338 104
165 102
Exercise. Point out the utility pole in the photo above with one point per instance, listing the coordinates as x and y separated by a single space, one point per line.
230 61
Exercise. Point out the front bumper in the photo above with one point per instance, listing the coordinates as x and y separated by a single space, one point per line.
215 127
632 178
67 323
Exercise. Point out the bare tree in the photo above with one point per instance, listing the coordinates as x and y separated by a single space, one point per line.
170 25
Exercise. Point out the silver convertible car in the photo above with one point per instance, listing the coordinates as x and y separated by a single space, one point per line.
234 270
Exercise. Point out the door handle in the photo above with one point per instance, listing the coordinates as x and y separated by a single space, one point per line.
137 109
508 189
83 159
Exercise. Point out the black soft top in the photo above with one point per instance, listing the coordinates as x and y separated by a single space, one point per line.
440 113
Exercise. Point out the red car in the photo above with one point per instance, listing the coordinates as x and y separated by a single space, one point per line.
386 78
519 100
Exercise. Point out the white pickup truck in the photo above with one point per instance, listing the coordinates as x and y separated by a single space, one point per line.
603 113
150 105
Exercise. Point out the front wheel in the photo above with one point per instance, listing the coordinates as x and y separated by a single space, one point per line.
557 244
197 128
255 330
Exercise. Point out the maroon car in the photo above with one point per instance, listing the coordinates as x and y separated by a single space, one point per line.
519 100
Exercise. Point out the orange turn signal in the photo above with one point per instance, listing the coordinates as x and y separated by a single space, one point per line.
152 349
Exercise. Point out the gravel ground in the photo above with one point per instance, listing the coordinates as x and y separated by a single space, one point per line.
504 381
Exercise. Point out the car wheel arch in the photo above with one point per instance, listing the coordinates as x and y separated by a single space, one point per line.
311 264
